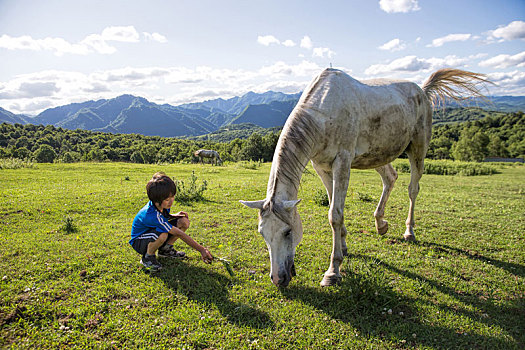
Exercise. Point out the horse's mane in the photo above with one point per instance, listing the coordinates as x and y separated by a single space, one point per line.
294 150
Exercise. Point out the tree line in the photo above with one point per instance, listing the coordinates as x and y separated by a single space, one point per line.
45 144
492 136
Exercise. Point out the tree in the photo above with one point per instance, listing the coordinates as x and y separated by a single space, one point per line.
21 153
45 154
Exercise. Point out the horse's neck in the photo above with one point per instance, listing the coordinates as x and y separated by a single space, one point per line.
291 156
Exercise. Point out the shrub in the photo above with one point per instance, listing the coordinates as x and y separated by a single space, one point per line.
446 167
321 198
45 154
68 226
250 164
364 197
15 163
70 157
190 192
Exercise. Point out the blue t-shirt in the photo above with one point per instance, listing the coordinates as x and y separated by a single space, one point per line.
148 219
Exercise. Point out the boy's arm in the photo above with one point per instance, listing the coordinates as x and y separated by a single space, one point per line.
180 214
206 256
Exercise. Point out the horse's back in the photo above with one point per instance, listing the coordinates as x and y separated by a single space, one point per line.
375 119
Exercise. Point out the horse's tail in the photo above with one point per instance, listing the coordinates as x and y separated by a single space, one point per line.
454 83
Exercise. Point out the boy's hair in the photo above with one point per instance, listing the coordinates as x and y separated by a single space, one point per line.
160 187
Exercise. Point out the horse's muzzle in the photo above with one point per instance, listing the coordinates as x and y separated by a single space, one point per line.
285 275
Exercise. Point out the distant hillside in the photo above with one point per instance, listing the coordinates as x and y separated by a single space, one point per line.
273 114
457 114
492 103
11 118
133 114
236 105
234 131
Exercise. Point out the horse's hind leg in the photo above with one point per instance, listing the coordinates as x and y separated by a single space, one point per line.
416 156
389 177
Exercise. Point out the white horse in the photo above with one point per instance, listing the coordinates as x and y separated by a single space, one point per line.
204 153
340 123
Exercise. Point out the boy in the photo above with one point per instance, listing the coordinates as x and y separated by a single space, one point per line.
154 228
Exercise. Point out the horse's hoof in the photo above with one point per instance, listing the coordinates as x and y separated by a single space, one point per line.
409 237
383 229
331 280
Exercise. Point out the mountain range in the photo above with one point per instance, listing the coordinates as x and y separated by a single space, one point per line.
133 114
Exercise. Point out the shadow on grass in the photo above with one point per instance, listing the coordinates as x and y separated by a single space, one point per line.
515 269
206 287
366 301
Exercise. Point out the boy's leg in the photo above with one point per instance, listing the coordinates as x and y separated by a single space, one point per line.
167 249
182 224
146 245
155 245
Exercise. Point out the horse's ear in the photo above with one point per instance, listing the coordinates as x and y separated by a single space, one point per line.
288 205
254 204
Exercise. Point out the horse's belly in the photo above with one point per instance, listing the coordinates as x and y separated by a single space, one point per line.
369 156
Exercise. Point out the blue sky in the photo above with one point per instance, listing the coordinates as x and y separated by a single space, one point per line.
57 52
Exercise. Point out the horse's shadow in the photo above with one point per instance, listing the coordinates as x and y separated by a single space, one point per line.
515 269
207 287
365 300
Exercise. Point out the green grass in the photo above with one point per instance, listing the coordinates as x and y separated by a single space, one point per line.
70 279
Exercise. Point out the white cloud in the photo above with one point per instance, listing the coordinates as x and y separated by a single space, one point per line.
407 63
393 6
393 45
322 51
31 90
413 64
509 83
505 61
512 31
98 43
280 69
289 43
124 34
449 38
306 42
266 40
155 37
175 85
58 45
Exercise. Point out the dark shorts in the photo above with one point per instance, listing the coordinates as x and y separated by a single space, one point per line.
140 244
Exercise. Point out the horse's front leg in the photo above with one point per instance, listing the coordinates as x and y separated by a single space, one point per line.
328 182
341 177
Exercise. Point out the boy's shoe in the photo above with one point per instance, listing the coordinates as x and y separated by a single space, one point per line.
170 252
150 262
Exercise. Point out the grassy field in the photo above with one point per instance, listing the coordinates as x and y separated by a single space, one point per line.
461 286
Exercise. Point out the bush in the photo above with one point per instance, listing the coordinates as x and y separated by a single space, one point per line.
250 164
321 198
15 163
446 167
45 154
192 192
69 226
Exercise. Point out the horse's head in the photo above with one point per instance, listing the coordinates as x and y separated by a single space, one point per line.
281 228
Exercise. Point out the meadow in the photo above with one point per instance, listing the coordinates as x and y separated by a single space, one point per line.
68 277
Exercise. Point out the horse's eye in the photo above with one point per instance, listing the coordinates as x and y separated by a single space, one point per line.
287 233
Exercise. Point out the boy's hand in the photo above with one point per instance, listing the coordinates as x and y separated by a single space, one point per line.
206 255
182 214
